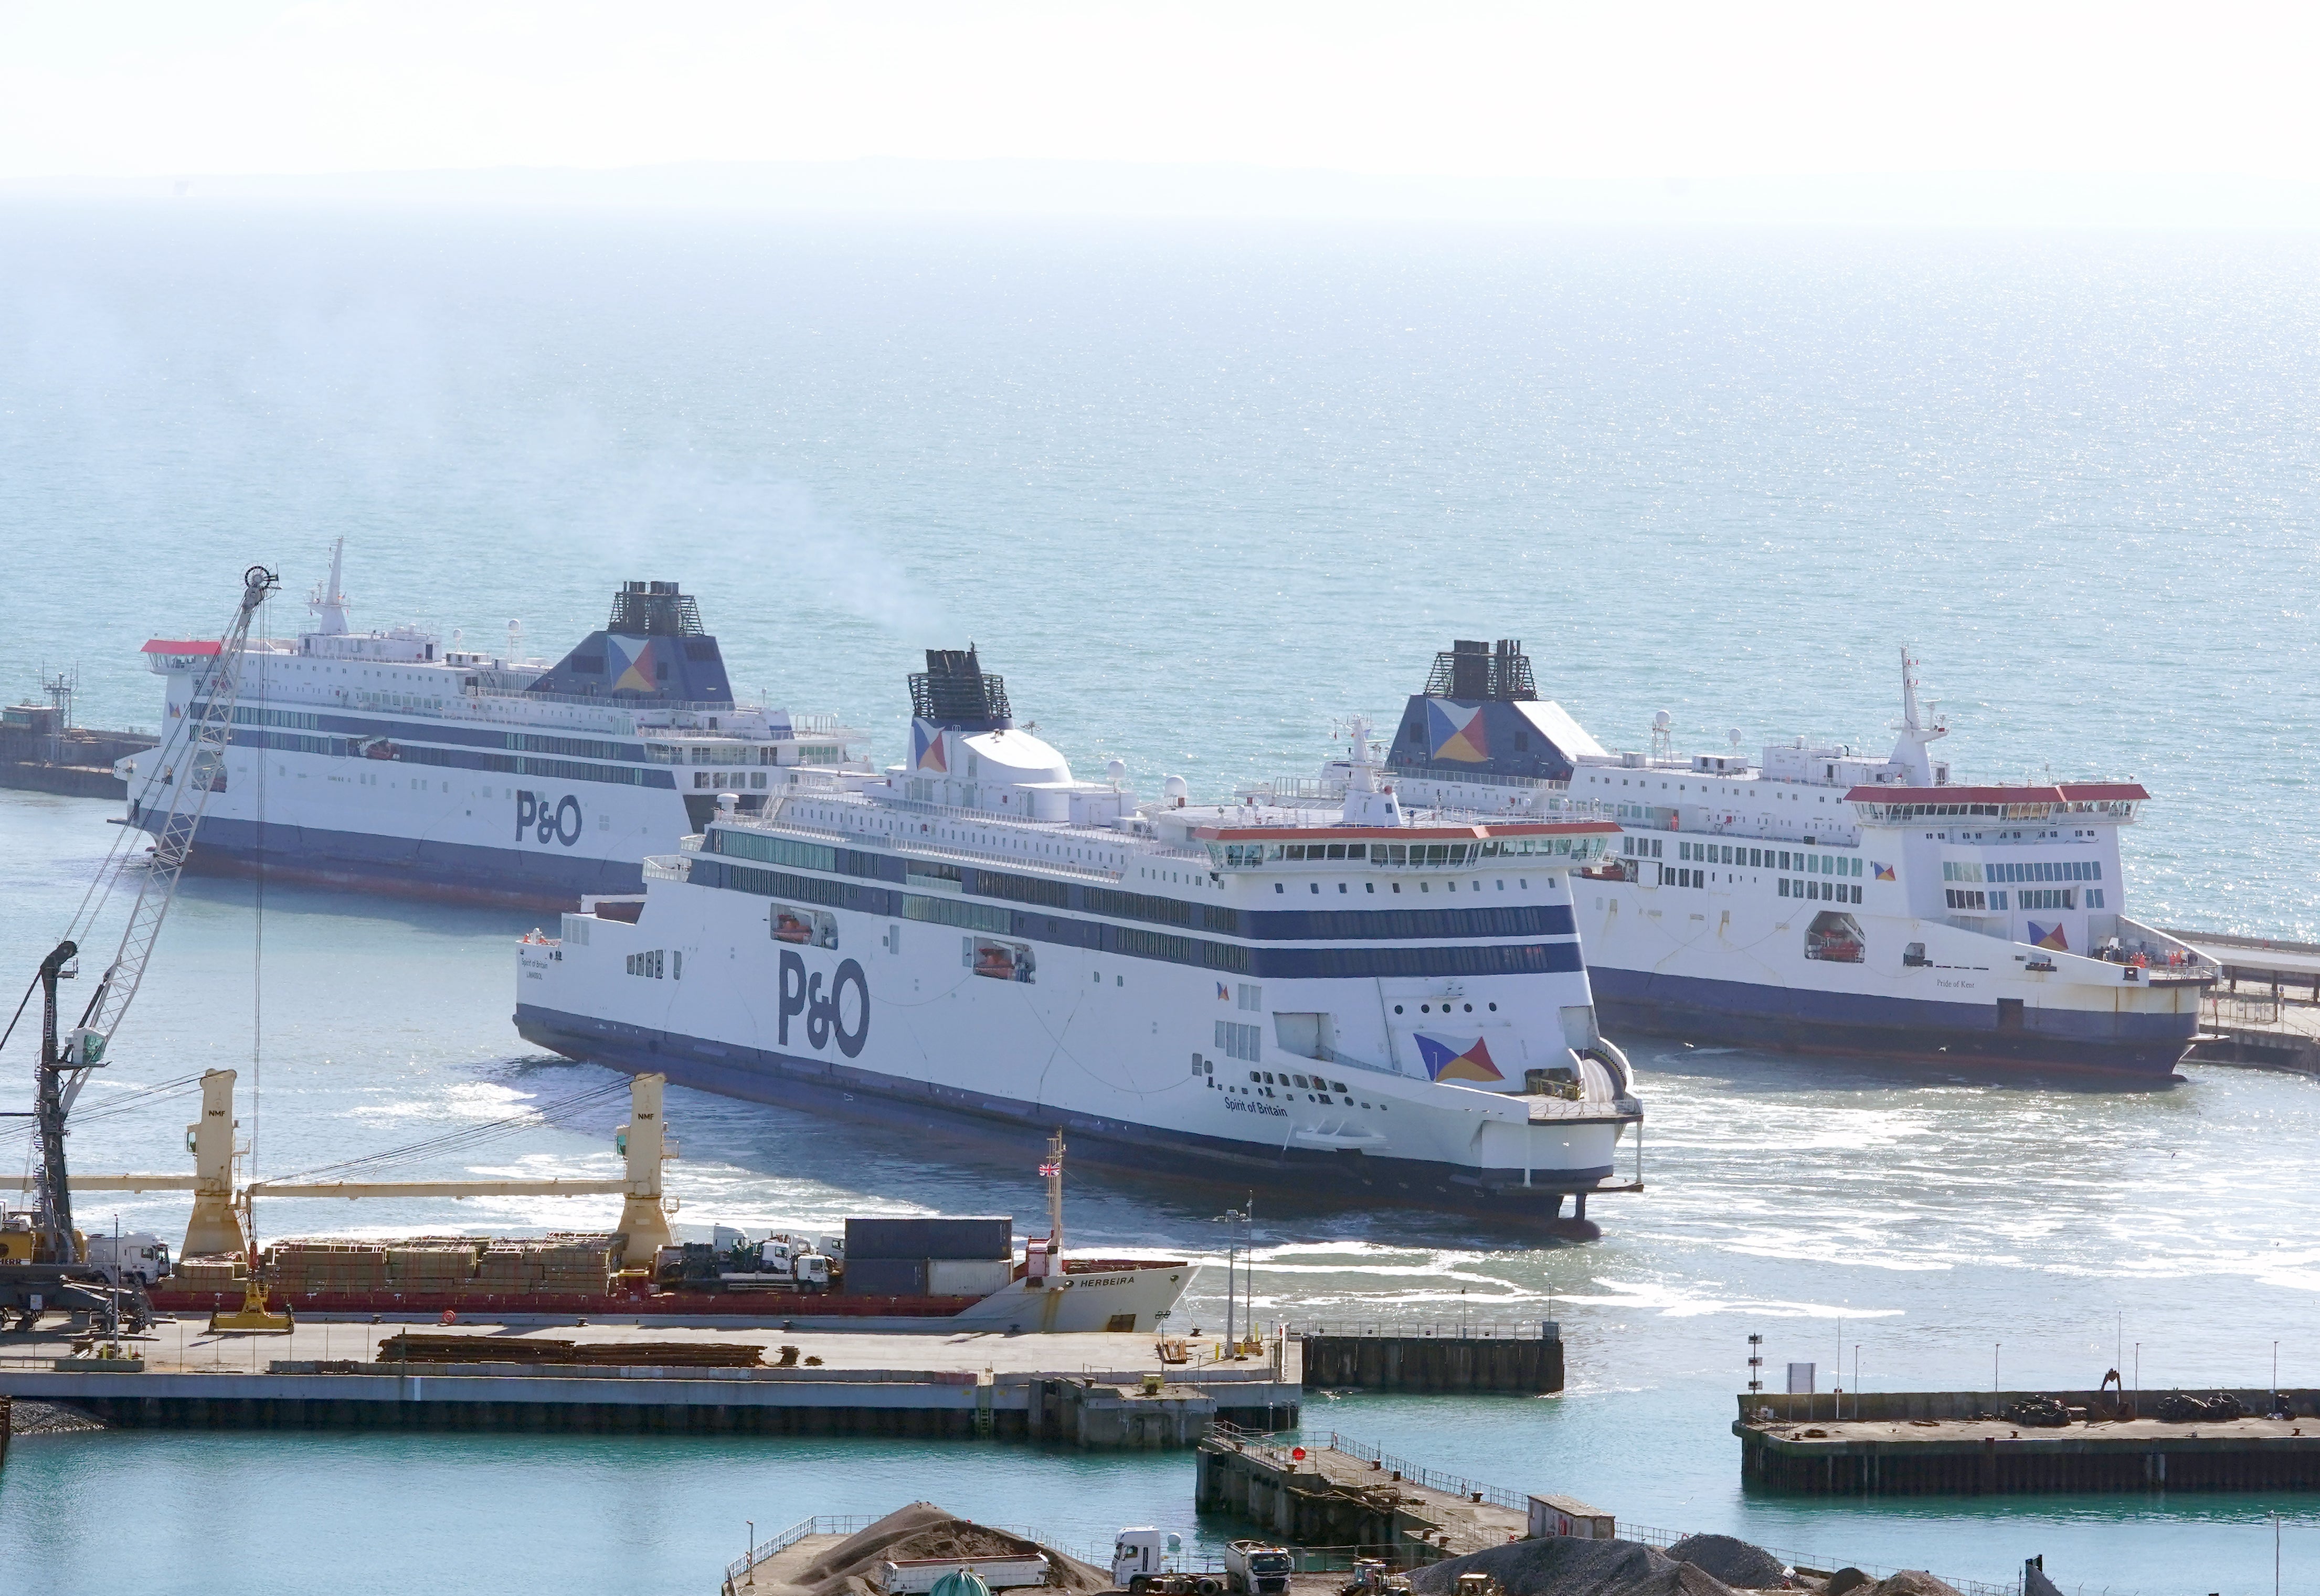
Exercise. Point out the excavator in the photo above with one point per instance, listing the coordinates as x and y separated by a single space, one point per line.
45 1264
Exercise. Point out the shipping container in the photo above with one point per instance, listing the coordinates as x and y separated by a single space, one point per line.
918 1239
967 1277
887 1277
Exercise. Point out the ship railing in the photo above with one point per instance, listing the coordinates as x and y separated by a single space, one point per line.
641 706
772 820
667 867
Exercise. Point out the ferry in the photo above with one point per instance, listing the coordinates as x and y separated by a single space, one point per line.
1819 899
383 760
1369 1001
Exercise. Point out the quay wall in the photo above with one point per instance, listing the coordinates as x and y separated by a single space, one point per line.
1082 1410
1524 1365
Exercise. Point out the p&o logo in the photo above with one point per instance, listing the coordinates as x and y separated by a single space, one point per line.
548 819
825 1015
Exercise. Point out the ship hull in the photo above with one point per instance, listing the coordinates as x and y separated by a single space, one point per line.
417 867
1737 1013
1736 964
908 1105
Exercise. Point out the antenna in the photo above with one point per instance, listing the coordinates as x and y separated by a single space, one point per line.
1662 735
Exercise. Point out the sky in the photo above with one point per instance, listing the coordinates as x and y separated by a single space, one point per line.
1584 92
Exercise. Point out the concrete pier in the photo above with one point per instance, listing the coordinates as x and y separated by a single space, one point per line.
1345 1494
2264 1008
1516 1363
1937 1443
964 1385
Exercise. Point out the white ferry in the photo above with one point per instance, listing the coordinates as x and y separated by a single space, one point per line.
1819 899
1363 1000
382 760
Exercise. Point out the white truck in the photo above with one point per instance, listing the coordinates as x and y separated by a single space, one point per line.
137 1258
914 1577
1258 1568
1143 1560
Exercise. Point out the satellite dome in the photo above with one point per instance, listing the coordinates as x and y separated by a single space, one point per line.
1663 721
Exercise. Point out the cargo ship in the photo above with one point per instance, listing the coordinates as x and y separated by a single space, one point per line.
1821 899
383 760
883 1273
1363 1000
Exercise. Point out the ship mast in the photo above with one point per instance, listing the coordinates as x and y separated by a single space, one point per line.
1909 752
1053 1171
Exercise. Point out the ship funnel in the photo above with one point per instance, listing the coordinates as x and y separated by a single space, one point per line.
955 691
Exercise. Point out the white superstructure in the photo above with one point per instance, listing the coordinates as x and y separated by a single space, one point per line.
1359 998
1821 898
383 759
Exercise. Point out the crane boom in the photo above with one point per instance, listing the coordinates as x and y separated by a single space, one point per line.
210 727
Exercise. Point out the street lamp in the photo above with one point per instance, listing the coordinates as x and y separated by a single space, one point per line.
1239 1216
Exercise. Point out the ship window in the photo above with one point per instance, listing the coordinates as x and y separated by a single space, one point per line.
1255 1080
1279 888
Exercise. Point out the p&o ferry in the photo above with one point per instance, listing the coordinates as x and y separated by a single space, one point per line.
383 760
1819 899
1366 1000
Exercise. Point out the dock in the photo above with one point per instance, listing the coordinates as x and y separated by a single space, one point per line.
1947 1443
1097 1390
37 755
2264 1008
1343 1493
1523 1359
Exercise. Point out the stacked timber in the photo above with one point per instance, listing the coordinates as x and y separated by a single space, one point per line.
310 1268
430 1268
578 1263
507 1268
215 1272
414 1348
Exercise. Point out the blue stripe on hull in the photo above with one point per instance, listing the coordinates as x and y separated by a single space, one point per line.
758 1075
1745 1014
408 866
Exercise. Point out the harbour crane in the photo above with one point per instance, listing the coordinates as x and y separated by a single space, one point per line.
56 1267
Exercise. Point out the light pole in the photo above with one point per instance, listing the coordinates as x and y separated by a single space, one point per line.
750 1567
1232 1251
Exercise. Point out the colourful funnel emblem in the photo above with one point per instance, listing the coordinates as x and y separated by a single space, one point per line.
1455 733
927 748
2049 937
1882 872
1448 1059
632 660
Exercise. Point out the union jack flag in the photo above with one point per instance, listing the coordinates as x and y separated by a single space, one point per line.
1047 1169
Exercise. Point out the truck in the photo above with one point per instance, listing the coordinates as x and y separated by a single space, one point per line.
731 1262
137 1258
1143 1561
1258 1568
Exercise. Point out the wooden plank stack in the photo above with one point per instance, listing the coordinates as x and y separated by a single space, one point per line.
417 1349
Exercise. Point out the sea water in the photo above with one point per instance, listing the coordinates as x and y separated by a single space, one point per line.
1196 492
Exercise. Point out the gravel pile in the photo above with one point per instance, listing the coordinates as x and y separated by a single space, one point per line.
1909 1582
1564 1565
1731 1560
28 1417
925 1530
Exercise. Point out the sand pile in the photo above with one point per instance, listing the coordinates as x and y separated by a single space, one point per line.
1563 1565
925 1530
